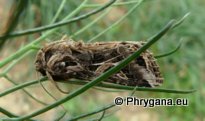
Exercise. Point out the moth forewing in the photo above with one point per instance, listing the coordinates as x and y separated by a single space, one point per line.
65 60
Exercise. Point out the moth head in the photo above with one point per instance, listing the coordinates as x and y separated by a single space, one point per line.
49 55
40 62
63 64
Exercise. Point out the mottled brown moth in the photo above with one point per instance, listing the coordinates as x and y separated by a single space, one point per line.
65 60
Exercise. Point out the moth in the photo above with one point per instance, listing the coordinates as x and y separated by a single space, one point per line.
65 60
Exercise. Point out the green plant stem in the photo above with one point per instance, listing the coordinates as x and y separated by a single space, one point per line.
169 53
28 47
59 24
20 86
77 10
102 77
60 117
7 113
115 4
92 113
181 20
105 85
90 24
17 9
99 87
122 87
117 22
30 95
102 116
14 63
58 11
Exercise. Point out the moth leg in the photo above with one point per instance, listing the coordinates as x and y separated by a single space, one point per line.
121 75
117 80
56 85
112 59
103 68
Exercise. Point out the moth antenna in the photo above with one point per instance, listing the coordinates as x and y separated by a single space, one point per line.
56 85
52 96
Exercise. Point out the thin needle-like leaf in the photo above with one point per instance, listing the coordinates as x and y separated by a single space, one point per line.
7 113
115 4
117 22
16 10
123 87
59 24
90 24
58 11
92 113
181 20
30 95
169 53
102 77
20 86
28 47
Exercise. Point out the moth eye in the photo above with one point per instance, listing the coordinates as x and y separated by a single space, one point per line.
67 63
62 64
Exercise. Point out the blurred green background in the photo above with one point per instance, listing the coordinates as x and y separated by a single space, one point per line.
183 70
